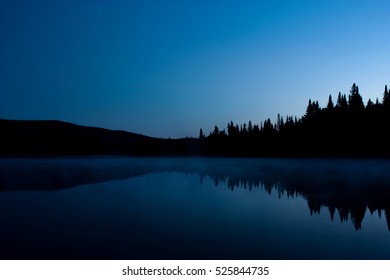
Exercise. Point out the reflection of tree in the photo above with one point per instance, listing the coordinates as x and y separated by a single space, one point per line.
347 187
351 206
340 191
387 214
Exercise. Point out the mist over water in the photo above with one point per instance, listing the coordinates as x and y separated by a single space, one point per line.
194 208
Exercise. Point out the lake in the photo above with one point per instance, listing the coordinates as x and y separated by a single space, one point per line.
194 208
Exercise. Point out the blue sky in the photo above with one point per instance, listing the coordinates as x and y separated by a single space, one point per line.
169 68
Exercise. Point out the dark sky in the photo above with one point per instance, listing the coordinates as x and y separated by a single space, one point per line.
168 68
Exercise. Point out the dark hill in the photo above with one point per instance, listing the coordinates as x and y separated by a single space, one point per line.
57 138
62 138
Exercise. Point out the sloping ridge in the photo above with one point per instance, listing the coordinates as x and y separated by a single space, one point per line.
63 138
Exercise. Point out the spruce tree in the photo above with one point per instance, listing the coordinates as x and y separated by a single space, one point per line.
355 100
330 105
386 98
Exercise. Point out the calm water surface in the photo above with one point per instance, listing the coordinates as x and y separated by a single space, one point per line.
194 208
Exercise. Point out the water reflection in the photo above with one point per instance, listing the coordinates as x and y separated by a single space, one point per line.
345 188
348 187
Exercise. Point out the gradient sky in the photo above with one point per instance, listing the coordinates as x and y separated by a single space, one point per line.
169 68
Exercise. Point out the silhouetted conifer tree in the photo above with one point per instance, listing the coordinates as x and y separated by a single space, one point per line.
330 105
244 130
216 131
231 128
339 100
250 127
201 134
309 110
386 99
355 100
268 128
370 107
278 123
377 104
281 125
342 103
317 108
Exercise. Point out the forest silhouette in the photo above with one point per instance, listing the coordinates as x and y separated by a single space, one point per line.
344 128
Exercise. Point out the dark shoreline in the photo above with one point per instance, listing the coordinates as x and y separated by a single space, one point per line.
60 139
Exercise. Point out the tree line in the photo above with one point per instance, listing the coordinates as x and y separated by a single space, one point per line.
346 127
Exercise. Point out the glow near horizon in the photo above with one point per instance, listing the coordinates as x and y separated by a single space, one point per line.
167 69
